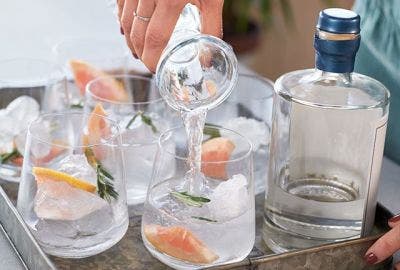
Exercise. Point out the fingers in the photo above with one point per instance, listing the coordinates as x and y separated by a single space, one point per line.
127 20
120 5
145 8
159 31
384 247
397 266
211 17
394 221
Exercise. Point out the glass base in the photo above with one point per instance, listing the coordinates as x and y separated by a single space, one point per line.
182 265
114 236
136 195
281 240
309 212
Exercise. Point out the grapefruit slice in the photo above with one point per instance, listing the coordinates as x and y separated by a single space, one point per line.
217 150
18 161
97 129
179 242
45 174
108 88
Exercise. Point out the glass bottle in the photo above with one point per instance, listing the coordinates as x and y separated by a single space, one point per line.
195 71
327 142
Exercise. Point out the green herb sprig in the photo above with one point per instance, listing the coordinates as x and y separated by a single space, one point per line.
105 188
145 119
212 131
204 219
105 185
190 200
9 156
77 105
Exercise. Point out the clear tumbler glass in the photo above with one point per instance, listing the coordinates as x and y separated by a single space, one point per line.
248 111
217 225
27 88
72 193
142 116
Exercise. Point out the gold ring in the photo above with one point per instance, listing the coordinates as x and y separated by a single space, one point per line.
145 19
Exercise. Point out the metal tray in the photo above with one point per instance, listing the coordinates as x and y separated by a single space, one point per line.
18 248
130 252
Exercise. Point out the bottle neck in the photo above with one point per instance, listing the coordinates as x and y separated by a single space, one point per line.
335 52
328 77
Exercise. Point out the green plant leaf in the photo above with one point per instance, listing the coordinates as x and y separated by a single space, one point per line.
204 219
145 119
105 185
8 156
77 105
212 131
190 200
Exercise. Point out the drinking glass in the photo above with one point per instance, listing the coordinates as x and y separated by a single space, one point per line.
212 226
248 111
94 56
142 116
72 193
27 87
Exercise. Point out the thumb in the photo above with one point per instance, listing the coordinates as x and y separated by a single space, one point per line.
394 221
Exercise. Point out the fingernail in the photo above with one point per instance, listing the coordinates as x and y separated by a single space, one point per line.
394 218
121 30
371 258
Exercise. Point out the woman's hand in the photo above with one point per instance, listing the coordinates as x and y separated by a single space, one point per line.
385 246
149 31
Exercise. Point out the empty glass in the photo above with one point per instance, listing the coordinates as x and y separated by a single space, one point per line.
248 111
135 104
72 193
27 87
85 59
212 226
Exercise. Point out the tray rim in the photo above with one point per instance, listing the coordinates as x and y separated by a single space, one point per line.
18 233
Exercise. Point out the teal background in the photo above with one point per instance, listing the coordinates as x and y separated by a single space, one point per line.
379 57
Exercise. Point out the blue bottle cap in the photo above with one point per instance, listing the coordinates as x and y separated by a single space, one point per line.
339 21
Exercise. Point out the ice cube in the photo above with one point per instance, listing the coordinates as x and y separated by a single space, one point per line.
6 133
77 166
23 110
6 142
256 132
230 198
57 200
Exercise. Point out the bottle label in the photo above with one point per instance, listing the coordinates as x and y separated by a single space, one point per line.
374 175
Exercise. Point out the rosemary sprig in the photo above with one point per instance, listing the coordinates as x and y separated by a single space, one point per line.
145 119
190 200
9 156
204 219
211 130
105 186
77 105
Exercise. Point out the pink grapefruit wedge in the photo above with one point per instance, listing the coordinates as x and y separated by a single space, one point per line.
217 150
179 242
108 88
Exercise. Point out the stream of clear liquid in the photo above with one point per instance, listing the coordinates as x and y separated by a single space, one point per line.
194 124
